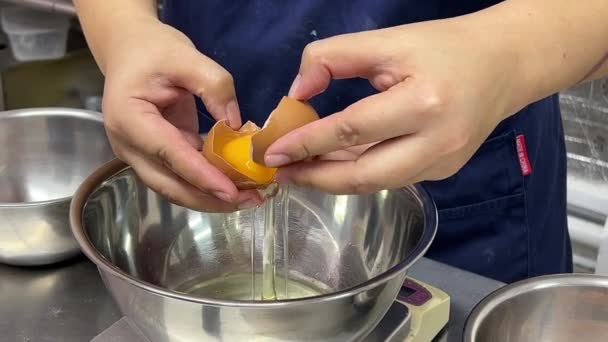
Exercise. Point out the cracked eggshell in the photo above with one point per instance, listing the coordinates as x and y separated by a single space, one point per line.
287 116
217 137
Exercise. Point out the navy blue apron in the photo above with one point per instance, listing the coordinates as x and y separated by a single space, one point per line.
503 215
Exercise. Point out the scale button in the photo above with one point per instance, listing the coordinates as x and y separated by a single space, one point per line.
414 293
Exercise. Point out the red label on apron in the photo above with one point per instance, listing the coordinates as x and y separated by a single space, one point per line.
522 155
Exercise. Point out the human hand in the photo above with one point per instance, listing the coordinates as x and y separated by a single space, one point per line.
151 120
443 86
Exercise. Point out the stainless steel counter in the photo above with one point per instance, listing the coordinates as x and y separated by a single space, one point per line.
68 302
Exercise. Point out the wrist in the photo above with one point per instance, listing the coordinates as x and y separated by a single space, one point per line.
555 43
495 62
124 33
107 22
519 69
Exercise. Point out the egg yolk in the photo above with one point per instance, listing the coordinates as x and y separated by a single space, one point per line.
237 153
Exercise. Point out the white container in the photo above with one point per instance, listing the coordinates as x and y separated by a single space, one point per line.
35 35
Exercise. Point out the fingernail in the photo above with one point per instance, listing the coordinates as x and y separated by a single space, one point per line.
248 204
294 86
276 160
233 114
223 196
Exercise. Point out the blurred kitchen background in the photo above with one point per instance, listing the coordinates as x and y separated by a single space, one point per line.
44 61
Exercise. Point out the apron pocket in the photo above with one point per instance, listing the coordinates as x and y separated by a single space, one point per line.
488 238
482 214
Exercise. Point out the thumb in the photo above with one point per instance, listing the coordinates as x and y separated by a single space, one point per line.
339 57
208 80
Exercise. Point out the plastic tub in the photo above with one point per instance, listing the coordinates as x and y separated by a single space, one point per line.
35 35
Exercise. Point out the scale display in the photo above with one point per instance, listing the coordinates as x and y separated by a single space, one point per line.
429 309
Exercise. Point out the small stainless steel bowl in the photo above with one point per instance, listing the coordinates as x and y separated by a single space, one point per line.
159 260
46 153
556 308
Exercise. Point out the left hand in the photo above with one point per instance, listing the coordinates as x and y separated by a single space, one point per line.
443 87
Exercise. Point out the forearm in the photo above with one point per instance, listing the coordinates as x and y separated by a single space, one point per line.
558 43
104 20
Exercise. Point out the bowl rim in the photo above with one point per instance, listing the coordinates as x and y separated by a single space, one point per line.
114 167
509 291
48 112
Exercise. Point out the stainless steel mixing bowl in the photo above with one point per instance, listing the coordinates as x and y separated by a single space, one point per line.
154 257
44 156
556 308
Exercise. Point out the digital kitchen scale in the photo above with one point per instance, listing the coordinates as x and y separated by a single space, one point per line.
429 309
418 315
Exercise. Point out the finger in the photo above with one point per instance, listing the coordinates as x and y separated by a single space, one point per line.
387 165
398 111
339 155
195 140
342 57
351 153
211 82
148 133
182 114
179 192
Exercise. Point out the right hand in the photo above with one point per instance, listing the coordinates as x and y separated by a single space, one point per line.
151 120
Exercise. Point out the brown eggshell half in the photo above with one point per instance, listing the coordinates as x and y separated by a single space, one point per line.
217 137
287 116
